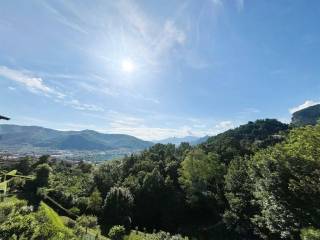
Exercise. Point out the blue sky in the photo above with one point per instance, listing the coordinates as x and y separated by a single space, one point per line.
157 69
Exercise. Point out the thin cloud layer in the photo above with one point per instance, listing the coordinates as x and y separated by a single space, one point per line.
307 103
33 84
38 86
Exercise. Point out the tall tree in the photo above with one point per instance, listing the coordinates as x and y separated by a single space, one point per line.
42 175
117 208
95 201
202 179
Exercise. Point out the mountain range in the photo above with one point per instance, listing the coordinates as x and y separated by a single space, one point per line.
15 136
86 140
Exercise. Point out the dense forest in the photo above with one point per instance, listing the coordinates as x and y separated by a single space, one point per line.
258 181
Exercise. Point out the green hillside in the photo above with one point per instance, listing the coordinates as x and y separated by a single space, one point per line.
33 136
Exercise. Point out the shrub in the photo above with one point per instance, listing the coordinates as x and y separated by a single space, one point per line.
117 232
310 234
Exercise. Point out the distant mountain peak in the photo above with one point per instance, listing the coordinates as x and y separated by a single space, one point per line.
177 140
306 116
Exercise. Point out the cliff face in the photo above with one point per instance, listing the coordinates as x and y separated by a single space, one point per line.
307 116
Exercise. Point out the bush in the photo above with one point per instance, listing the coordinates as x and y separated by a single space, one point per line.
75 210
117 232
310 234
134 235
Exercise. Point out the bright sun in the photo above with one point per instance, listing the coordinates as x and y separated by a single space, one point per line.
127 66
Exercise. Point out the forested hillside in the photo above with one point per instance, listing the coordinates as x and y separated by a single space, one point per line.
258 181
87 140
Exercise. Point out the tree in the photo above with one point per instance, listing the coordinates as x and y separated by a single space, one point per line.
117 232
43 159
42 175
85 167
117 208
150 200
287 185
87 222
107 176
239 194
24 165
201 176
95 201
246 139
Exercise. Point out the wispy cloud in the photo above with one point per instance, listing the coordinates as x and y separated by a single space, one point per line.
240 5
37 85
63 19
142 37
33 84
96 88
307 103
170 36
74 103
223 126
123 29
134 15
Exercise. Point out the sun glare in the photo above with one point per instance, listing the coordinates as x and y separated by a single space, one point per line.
127 66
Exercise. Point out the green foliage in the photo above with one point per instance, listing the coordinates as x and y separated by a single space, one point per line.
23 223
152 178
202 179
117 232
70 186
310 234
246 139
106 176
135 235
42 175
44 159
85 167
87 222
286 185
10 206
202 175
238 192
24 166
52 215
257 181
118 206
95 201
75 210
